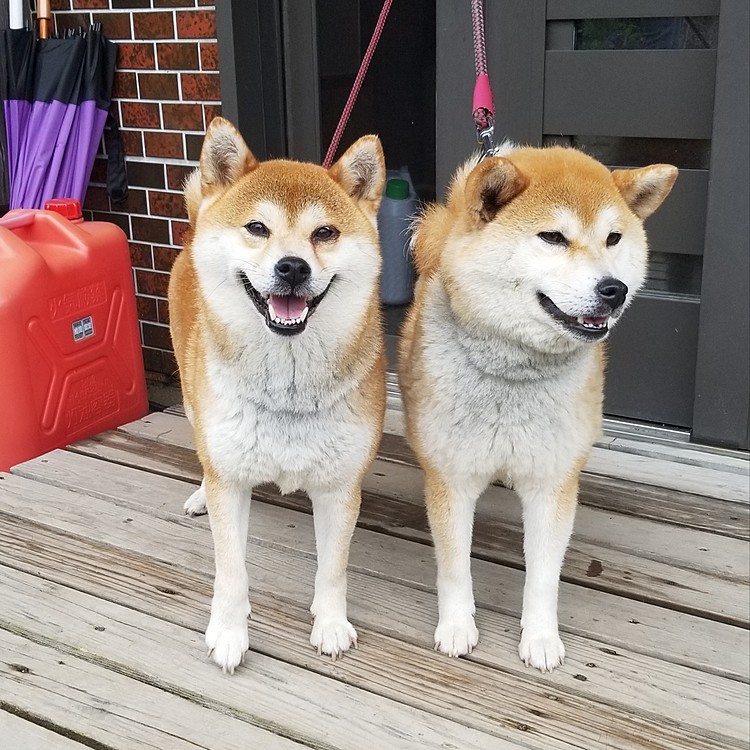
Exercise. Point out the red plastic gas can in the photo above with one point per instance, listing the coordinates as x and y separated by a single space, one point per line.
71 361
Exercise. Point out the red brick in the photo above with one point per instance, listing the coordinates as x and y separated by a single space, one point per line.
140 115
196 24
201 87
167 145
150 230
130 4
211 111
96 199
99 171
162 307
114 25
177 56
146 174
59 5
171 205
147 309
65 21
179 230
136 55
91 4
125 86
176 3
134 203
156 336
209 56
183 117
158 86
153 26
157 361
152 282
140 255
176 176
193 146
164 258
132 141
121 220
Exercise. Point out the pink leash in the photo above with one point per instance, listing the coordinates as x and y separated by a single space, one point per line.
483 106
357 84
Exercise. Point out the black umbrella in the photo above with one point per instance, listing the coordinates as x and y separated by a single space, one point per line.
56 94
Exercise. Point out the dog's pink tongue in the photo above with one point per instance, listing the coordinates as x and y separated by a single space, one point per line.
288 306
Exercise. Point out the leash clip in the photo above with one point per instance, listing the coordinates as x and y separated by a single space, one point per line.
485 123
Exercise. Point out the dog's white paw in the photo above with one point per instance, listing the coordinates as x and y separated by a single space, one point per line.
333 636
456 636
195 505
541 649
227 646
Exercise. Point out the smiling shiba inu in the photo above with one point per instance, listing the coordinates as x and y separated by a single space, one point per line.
523 273
275 319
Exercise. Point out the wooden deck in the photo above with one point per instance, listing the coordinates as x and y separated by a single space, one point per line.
105 589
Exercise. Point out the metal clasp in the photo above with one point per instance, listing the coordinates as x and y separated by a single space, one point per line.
486 136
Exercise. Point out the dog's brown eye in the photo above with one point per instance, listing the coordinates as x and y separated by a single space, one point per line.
553 238
325 234
257 229
613 238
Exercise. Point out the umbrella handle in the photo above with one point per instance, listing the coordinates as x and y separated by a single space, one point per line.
44 16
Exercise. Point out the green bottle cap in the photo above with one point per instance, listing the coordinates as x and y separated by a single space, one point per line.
397 189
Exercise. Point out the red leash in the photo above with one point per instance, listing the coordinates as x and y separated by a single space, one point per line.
483 106
357 84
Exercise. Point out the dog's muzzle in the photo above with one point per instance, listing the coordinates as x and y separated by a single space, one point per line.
286 314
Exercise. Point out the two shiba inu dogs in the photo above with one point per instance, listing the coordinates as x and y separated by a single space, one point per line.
275 319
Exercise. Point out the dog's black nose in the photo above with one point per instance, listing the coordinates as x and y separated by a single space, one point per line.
612 292
294 271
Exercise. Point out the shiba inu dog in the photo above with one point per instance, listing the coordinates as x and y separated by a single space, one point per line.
522 275
275 318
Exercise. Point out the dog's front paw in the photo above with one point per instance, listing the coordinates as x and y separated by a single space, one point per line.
227 645
456 636
195 505
333 636
542 649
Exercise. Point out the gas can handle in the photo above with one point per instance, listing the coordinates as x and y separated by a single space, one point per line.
20 218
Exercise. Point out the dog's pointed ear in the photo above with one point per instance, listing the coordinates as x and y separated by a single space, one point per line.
361 172
225 157
644 189
494 182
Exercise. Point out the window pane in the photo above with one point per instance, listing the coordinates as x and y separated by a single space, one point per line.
690 32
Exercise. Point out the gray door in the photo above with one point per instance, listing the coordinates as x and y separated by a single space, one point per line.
636 82
632 82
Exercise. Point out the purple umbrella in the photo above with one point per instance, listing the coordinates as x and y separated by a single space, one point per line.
57 94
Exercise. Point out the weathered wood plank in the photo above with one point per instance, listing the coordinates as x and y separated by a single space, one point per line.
88 702
20 733
283 540
610 494
269 693
590 565
488 700
623 623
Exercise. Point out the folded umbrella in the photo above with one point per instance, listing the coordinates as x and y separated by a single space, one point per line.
56 97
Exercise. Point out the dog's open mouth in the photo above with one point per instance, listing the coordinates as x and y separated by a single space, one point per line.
286 314
588 327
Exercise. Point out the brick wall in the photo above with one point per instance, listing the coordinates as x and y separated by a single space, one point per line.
166 93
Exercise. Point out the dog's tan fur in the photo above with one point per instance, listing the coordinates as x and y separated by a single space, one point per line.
493 387
306 410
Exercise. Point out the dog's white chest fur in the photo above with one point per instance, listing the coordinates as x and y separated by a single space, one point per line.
497 412
266 423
